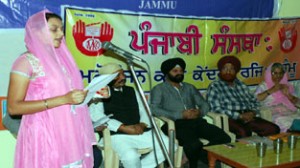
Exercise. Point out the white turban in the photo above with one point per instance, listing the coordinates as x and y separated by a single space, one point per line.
109 68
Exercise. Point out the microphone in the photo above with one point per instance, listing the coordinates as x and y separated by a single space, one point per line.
109 46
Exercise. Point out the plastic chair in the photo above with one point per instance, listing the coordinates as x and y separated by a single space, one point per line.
111 159
219 120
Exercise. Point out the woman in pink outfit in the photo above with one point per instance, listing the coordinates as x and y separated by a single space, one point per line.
277 94
45 85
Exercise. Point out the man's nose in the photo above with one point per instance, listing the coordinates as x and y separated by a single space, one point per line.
122 76
180 73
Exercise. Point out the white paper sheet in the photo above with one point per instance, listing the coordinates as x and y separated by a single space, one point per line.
96 84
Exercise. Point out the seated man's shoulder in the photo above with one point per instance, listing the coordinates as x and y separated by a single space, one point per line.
160 86
188 85
241 83
215 83
128 87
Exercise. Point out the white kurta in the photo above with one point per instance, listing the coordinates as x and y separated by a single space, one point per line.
126 146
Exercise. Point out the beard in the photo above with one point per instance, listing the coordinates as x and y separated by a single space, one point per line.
177 79
228 77
116 83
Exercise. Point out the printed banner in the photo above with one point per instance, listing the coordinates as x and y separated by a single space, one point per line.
200 42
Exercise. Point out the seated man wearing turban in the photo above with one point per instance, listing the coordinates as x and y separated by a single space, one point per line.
230 96
183 103
129 125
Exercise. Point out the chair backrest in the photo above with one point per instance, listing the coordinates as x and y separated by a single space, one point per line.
208 119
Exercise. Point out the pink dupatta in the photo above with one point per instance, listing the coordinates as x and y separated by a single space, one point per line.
55 137
279 97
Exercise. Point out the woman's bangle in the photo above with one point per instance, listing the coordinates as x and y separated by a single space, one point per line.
46 104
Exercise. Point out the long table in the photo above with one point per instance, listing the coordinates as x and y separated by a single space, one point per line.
244 155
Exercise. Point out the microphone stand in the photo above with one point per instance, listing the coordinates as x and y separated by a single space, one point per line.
141 92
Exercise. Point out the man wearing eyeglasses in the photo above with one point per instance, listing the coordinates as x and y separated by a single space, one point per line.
230 96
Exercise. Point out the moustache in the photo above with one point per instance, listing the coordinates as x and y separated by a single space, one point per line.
121 81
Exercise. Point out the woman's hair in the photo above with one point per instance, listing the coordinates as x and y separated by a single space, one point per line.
277 65
52 15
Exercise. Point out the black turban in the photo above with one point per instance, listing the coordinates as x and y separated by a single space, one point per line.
230 59
169 64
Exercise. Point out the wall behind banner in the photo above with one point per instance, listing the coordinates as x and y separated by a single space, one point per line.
11 45
288 8
14 13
